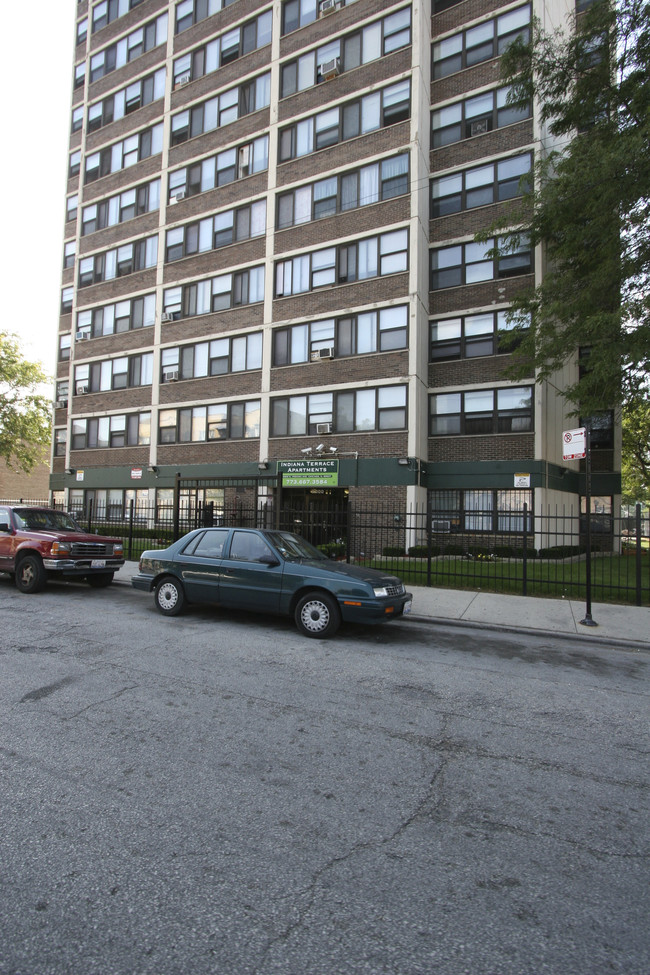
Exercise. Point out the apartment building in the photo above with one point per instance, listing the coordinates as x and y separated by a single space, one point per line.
270 279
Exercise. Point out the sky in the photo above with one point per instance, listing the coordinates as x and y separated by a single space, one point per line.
35 99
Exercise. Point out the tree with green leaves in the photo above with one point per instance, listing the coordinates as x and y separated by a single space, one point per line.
25 413
635 470
587 204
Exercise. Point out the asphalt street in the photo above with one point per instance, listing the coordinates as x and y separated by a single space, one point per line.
214 793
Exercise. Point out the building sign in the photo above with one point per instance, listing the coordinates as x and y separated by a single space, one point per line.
522 480
136 473
574 444
309 473
80 476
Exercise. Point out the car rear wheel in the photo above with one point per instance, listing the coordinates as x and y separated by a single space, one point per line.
317 615
100 581
169 596
30 574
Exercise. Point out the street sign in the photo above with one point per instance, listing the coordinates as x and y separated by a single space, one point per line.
574 444
309 473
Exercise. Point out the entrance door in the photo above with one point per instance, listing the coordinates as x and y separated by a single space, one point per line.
318 514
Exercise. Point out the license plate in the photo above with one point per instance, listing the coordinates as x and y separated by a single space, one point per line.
98 564
407 607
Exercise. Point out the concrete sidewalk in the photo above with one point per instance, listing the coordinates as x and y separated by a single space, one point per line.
618 625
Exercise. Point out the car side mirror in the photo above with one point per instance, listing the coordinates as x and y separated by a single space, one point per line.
268 560
4 526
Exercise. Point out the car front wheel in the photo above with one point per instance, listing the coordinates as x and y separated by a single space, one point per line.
317 615
30 574
169 597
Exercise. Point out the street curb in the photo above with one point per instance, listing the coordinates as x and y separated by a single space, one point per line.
531 631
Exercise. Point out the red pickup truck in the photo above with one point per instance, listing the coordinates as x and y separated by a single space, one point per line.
41 543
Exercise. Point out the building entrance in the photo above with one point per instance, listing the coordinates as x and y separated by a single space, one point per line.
318 514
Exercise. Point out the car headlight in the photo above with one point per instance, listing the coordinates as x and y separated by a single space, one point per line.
60 548
118 549
380 591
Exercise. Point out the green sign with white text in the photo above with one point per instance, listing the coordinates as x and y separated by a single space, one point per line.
309 473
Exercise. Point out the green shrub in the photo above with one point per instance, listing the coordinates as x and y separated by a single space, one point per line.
394 550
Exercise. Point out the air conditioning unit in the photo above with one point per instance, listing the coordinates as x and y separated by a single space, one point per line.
166 317
178 195
330 69
323 428
479 126
183 79
441 526
170 375
60 404
81 389
328 7
80 336
327 353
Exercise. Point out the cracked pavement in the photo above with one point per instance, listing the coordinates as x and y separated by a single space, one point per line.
216 794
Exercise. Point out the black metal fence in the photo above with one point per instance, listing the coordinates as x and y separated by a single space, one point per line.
516 552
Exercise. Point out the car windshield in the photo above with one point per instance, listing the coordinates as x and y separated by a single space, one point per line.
292 546
39 519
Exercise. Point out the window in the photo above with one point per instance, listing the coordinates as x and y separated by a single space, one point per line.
123 154
383 408
125 430
470 264
372 257
483 411
60 441
219 421
71 205
77 118
123 316
362 187
190 12
223 49
481 42
367 114
115 263
65 344
128 48
120 373
297 13
220 170
69 251
372 42
222 109
481 185
67 295
117 209
215 358
109 10
468 336
80 75
82 30
218 231
214 294
74 163
484 510
375 331
474 116
127 100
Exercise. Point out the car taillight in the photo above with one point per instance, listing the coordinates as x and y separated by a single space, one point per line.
60 548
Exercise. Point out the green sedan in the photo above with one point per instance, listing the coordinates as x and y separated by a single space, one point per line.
269 572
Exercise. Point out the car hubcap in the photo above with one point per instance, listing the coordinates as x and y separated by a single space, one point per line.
168 595
27 575
315 616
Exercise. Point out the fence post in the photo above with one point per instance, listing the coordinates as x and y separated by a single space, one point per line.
131 514
177 507
90 516
638 552
429 517
525 565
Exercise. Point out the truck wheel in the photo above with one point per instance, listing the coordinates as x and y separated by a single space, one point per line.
169 596
100 581
30 574
317 615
